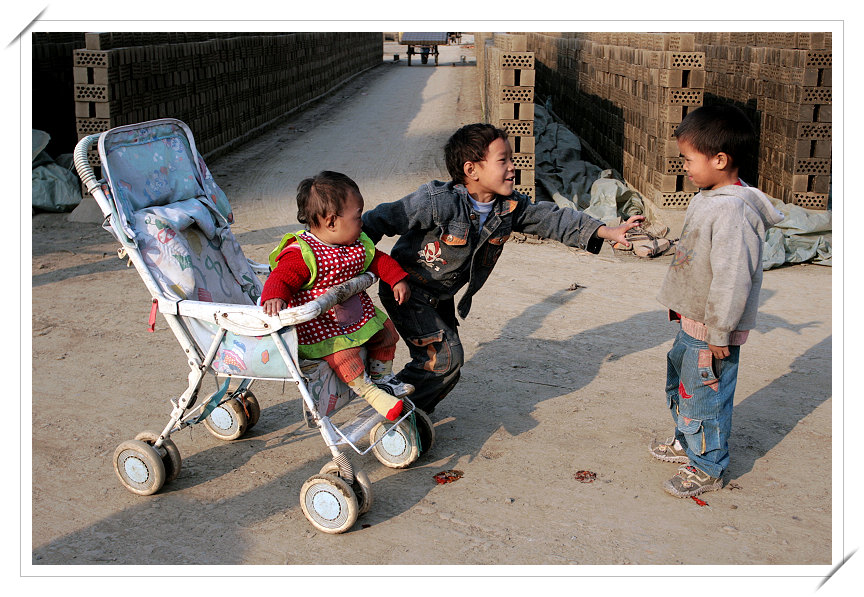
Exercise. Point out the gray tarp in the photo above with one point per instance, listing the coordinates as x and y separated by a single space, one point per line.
564 177
803 235
55 187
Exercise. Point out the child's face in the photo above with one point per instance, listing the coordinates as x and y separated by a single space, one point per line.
345 228
495 175
706 172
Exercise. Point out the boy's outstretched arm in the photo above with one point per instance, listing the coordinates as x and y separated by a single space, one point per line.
618 233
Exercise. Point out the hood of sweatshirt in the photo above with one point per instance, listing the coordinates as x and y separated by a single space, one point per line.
753 197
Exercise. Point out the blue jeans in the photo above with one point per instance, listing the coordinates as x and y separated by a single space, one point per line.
699 393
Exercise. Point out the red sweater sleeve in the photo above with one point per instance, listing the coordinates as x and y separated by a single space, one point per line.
290 275
386 268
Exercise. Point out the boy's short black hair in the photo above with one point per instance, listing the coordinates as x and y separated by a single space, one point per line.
719 128
469 144
322 195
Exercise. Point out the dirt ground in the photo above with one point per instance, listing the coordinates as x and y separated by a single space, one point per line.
565 368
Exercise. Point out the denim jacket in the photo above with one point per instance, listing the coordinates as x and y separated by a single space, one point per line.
442 248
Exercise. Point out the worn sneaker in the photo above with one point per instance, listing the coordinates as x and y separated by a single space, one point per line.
392 385
691 481
669 451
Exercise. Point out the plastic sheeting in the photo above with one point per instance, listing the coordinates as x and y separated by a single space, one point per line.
564 177
55 186
570 181
803 235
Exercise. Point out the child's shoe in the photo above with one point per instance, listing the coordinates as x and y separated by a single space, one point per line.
691 481
669 451
384 404
382 376
392 385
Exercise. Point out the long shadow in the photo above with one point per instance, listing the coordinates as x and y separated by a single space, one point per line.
763 419
579 359
552 368
109 264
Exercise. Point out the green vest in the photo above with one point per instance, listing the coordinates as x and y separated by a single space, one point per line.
336 343
309 256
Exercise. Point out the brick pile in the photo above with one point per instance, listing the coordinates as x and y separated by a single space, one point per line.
624 94
507 79
783 80
226 87
52 84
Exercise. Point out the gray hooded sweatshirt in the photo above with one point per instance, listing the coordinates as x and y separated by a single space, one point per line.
716 274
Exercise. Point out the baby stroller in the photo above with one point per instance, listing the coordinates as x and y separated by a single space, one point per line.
173 224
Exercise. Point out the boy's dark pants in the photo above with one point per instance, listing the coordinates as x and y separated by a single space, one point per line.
428 327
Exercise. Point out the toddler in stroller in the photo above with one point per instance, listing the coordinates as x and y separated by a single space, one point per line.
173 224
333 250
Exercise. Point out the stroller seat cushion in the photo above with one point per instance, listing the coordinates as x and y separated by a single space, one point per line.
155 165
158 172
193 256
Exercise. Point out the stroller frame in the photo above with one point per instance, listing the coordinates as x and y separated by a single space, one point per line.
331 500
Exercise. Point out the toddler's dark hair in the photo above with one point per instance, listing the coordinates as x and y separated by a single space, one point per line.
719 128
469 144
323 194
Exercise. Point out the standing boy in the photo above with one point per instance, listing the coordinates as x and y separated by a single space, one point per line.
452 234
712 287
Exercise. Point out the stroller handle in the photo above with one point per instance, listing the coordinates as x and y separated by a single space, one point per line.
325 302
82 162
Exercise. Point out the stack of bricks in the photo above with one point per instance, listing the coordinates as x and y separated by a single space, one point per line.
226 87
624 94
507 88
783 80
52 87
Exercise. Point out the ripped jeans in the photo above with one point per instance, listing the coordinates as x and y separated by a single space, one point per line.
699 394
428 327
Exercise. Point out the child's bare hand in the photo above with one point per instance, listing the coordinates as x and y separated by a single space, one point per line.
273 306
719 352
401 291
618 233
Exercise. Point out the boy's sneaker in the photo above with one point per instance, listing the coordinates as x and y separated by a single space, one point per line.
691 481
392 385
669 451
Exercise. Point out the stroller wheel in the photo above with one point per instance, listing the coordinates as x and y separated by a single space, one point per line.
170 459
362 486
424 429
252 408
228 421
329 503
139 467
395 446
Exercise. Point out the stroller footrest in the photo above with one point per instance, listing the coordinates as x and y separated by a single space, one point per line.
360 426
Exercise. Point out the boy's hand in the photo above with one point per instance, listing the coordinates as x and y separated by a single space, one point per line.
719 352
401 291
273 306
618 233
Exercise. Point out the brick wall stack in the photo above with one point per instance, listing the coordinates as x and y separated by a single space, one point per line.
507 90
624 94
226 87
783 80
53 109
